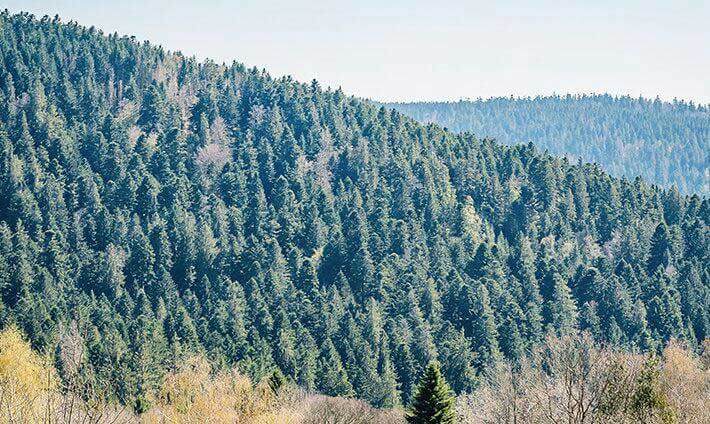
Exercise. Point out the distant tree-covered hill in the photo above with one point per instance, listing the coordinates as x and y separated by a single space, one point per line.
665 143
155 209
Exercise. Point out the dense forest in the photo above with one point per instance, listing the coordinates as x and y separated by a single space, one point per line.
155 208
664 143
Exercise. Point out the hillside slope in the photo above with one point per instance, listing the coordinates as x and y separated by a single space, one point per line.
665 143
163 208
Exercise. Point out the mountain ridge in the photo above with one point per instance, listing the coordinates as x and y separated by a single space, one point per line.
168 208
664 142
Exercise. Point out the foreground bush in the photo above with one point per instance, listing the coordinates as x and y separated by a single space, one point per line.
330 410
571 380
25 378
31 391
194 394
568 379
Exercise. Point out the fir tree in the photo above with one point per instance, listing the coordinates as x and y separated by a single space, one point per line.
433 402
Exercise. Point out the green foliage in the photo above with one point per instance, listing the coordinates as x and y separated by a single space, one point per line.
276 380
649 400
434 401
174 208
662 142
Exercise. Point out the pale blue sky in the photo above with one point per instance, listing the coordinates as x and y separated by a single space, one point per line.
425 50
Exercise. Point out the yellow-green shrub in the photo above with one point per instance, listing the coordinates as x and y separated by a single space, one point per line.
26 379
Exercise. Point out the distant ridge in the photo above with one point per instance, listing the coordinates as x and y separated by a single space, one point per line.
666 143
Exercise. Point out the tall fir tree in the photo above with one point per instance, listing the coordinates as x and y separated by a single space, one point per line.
434 401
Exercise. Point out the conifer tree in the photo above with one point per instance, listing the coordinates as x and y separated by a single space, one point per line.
331 378
561 309
388 396
481 327
433 402
276 380
660 254
664 313
457 360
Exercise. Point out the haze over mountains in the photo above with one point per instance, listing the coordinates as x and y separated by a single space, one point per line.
664 143
156 209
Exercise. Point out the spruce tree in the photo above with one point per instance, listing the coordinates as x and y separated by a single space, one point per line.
433 402
561 310
331 378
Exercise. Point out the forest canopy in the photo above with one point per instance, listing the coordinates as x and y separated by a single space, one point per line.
156 209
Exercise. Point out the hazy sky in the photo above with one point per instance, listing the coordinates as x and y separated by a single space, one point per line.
429 49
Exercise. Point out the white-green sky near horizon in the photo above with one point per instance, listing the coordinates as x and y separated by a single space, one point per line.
431 50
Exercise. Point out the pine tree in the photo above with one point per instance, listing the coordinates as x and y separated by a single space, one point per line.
664 313
434 401
331 378
660 253
153 111
457 360
422 343
481 327
387 385
530 299
561 310
511 340
276 381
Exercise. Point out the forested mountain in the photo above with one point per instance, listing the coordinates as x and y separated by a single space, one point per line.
155 207
664 143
